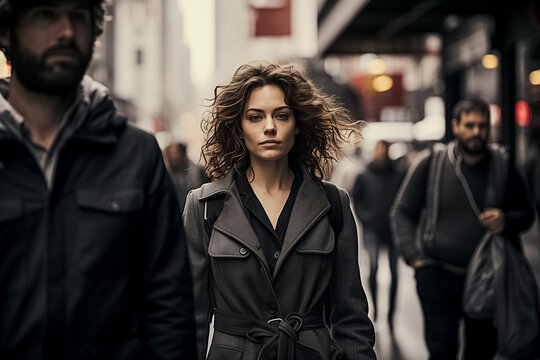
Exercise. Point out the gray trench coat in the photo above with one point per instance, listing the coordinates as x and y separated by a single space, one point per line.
257 310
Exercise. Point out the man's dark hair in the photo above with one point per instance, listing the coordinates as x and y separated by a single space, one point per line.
179 146
10 10
182 148
469 105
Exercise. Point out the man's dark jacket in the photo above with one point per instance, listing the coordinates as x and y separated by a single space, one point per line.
96 267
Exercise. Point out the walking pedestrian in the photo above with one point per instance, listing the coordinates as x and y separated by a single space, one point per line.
464 173
274 267
93 260
185 174
373 194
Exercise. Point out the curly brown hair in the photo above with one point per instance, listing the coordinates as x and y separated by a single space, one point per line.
324 126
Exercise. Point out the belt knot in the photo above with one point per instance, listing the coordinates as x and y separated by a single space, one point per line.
279 337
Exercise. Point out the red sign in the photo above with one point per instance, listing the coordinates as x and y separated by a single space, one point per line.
371 100
523 113
272 17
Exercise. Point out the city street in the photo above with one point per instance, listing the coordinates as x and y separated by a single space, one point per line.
406 341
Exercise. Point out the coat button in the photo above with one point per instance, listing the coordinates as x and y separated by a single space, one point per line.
243 251
276 254
114 205
272 309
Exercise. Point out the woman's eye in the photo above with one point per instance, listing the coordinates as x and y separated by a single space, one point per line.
282 116
254 118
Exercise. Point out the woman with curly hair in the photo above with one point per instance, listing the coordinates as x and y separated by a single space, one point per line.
273 252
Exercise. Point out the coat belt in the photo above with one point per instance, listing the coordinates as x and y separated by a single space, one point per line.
279 336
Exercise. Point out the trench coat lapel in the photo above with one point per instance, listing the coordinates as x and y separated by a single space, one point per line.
311 204
233 222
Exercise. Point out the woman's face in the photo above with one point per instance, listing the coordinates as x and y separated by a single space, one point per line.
268 124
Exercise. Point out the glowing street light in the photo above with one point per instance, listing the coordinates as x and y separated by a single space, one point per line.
490 61
534 77
382 83
376 67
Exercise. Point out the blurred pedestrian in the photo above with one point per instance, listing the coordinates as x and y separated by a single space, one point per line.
275 268
185 174
463 171
93 262
532 172
373 194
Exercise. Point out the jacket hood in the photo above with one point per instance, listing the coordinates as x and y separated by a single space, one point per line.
101 122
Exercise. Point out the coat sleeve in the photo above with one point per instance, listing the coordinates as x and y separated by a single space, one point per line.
358 196
167 324
351 327
198 254
407 208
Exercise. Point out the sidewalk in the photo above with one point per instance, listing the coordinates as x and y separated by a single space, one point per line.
406 342
531 247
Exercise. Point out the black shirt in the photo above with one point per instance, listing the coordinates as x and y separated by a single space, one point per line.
271 239
477 179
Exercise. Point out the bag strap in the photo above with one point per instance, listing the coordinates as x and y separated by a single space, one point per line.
212 209
498 174
500 170
336 221
433 191
336 212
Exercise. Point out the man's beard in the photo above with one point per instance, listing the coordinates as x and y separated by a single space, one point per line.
473 150
59 79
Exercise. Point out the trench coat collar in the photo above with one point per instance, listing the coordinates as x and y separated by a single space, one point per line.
311 205
232 220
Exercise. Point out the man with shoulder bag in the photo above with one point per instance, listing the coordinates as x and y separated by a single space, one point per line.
449 199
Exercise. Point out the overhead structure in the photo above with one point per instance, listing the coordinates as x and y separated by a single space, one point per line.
474 33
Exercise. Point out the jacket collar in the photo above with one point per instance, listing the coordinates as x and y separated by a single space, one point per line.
218 187
101 124
232 221
311 205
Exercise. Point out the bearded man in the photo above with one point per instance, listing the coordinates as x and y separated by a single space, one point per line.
469 205
93 260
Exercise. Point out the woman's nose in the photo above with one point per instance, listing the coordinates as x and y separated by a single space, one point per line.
269 126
